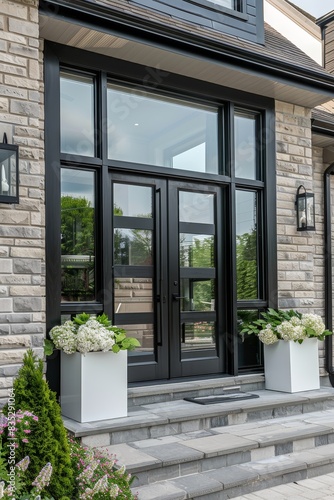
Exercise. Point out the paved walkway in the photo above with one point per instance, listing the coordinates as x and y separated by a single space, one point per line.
321 487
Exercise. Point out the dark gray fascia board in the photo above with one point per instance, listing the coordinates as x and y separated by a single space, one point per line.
325 19
122 24
322 127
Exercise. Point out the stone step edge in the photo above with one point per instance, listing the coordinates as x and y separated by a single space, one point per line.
244 478
270 449
214 415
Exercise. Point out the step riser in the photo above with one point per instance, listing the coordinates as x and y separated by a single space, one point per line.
165 472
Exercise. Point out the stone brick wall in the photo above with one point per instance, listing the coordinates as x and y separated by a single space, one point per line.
300 254
22 269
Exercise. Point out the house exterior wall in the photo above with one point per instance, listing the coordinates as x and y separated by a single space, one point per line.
22 308
301 279
22 240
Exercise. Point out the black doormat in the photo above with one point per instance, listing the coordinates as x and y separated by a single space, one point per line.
222 398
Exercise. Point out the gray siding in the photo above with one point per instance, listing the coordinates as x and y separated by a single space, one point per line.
247 25
329 47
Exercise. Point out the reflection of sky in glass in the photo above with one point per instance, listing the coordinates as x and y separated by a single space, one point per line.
157 130
132 201
196 207
78 183
245 147
188 159
77 115
246 212
223 3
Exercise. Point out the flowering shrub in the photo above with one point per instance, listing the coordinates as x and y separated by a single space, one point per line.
17 426
15 430
86 333
286 325
97 476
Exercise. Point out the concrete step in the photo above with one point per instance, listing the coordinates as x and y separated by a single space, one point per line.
156 420
235 480
170 457
167 392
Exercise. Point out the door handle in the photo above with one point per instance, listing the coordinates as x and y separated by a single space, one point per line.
175 296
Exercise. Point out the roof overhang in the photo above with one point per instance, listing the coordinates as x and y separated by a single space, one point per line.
76 24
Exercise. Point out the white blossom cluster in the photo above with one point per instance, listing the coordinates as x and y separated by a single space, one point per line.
267 336
89 337
65 337
295 329
314 322
92 336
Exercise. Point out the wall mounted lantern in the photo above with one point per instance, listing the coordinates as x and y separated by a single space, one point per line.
9 172
305 210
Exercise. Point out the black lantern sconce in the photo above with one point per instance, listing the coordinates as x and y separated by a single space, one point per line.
305 210
9 172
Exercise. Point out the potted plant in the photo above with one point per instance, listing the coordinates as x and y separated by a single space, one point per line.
93 374
290 338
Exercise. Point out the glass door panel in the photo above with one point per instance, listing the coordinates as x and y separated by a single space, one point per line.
193 262
138 268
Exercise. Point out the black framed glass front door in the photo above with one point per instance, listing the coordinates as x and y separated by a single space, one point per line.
166 284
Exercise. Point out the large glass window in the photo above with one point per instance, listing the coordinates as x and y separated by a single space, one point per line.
77 114
155 130
77 235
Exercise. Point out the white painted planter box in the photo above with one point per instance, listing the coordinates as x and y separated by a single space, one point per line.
94 386
292 367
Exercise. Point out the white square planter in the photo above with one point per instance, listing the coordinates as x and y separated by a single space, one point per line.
292 367
94 386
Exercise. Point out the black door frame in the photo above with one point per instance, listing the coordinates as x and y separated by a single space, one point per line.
165 362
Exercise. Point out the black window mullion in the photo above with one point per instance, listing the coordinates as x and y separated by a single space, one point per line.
122 222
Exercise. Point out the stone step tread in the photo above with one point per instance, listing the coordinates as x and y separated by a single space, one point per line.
269 404
230 482
281 435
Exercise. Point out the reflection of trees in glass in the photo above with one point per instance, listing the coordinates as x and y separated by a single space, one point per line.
77 226
77 230
196 253
133 247
247 265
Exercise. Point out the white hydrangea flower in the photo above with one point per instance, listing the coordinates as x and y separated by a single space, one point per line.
314 322
267 336
92 337
289 331
64 337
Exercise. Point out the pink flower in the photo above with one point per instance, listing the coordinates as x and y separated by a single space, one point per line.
25 440
27 431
